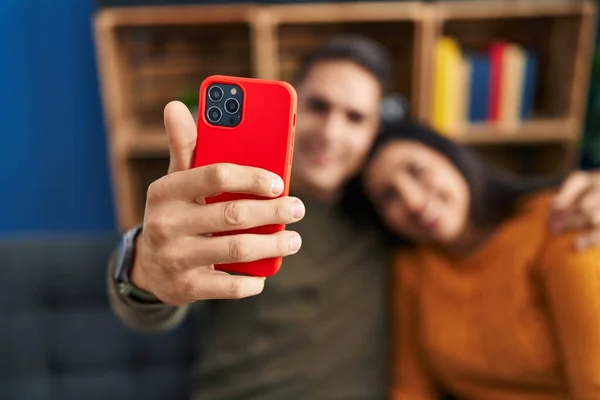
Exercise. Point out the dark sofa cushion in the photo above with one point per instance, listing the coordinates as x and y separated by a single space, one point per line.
59 339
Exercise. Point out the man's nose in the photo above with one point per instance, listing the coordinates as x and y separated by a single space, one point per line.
332 127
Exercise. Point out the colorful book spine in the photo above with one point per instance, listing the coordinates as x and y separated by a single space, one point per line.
496 55
496 86
511 88
449 85
479 87
529 85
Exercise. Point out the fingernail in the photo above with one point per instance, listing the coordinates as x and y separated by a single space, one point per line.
295 243
276 184
254 286
298 210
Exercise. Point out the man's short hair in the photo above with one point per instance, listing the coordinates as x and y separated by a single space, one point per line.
365 52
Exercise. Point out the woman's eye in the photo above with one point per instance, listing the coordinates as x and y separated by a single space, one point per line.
416 170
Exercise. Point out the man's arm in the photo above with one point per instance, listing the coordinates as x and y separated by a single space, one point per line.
138 316
172 259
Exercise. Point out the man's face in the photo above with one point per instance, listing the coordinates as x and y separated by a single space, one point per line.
338 118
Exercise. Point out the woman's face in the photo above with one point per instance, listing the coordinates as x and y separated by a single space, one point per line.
418 192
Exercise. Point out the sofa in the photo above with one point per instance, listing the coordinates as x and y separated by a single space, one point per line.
59 339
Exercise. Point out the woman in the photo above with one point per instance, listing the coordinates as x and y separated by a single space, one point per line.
488 304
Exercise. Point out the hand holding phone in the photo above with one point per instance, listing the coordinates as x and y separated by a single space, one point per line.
247 122
175 253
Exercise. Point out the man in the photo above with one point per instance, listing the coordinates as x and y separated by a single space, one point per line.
318 331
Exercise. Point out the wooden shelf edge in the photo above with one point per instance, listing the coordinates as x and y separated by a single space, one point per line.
510 9
346 12
336 12
129 16
530 132
132 141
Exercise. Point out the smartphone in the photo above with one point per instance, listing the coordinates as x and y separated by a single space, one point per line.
247 121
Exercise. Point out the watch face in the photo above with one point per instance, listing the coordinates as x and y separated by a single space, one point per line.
124 289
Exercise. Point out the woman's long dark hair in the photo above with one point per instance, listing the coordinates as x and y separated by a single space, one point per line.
494 194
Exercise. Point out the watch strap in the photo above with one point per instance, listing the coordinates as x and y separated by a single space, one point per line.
122 272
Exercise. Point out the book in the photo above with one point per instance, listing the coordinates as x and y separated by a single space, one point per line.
447 87
529 85
496 85
479 87
496 55
511 86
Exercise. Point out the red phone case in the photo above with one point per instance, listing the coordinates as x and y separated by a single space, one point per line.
264 138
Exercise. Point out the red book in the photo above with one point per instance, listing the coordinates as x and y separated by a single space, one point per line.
496 52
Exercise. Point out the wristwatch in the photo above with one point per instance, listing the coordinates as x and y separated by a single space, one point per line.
123 263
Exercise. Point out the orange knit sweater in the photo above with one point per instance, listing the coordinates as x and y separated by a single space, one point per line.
517 319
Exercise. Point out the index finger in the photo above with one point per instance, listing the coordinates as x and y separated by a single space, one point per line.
213 179
572 189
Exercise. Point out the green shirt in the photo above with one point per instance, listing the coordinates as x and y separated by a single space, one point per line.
318 330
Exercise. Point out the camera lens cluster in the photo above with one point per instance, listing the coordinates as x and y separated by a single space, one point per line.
223 106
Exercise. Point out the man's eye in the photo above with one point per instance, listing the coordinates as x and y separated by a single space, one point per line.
318 105
356 117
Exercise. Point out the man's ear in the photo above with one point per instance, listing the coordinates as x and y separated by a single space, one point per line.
394 108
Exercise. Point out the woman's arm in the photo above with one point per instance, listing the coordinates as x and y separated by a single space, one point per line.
409 380
572 284
577 206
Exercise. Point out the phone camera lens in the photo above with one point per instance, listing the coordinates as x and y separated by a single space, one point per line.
232 106
214 114
215 93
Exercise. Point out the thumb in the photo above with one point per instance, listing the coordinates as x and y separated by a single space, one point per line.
181 136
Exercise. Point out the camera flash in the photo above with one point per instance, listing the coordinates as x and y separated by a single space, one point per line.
233 91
